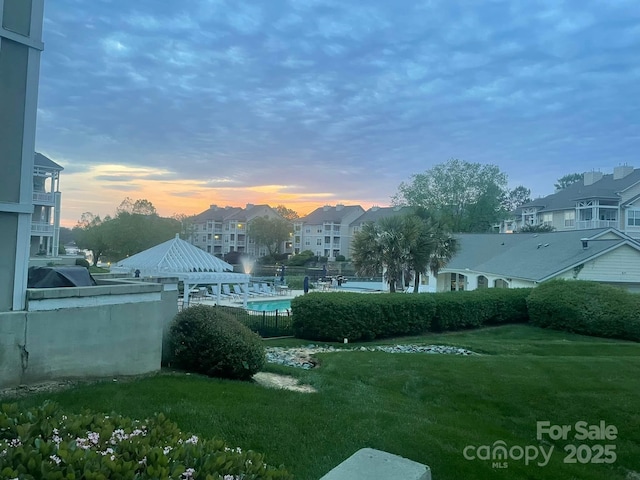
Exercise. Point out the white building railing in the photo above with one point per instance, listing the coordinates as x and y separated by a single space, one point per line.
584 224
42 198
41 228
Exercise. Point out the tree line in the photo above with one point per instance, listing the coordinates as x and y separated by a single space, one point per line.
455 196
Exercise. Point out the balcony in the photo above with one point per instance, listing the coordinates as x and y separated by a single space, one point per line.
41 228
42 198
586 224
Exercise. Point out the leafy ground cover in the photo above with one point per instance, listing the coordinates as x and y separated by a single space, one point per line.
428 408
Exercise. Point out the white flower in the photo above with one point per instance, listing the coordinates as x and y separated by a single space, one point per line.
188 473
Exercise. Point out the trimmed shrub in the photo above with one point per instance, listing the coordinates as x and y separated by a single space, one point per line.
477 308
584 307
210 341
83 262
44 443
335 316
357 316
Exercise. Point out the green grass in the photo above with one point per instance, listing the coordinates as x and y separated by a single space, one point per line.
423 407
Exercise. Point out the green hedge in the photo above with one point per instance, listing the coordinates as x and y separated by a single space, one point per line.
44 443
356 316
335 316
477 308
208 340
588 308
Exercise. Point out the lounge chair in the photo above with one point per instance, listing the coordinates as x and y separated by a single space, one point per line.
216 292
247 289
227 291
266 290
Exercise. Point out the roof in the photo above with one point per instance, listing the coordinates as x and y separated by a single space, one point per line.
532 256
250 212
215 213
239 214
330 214
42 161
179 258
376 213
605 188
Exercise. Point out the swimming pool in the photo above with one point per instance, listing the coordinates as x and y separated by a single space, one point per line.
269 305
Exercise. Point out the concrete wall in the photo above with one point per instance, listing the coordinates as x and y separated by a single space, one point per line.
115 328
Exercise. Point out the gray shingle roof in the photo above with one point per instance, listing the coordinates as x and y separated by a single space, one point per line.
376 213
216 214
605 188
42 161
530 256
330 214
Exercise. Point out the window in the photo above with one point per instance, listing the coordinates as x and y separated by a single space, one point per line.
204 238
307 242
633 218
319 241
307 230
547 219
608 214
586 215
570 219
319 230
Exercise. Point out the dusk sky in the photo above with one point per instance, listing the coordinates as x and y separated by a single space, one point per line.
313 102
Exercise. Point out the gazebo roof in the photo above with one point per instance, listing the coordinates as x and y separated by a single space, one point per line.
179 258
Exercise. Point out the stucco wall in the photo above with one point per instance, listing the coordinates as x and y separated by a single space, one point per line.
86 332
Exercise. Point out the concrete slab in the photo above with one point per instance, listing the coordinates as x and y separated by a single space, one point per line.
371 464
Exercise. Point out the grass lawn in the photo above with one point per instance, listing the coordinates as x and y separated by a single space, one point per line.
424 407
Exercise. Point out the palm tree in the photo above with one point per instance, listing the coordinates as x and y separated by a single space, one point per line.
414 242
431 245
381 246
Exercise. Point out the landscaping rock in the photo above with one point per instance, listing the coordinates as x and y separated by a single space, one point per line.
302 357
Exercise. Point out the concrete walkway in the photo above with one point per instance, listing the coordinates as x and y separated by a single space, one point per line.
370 464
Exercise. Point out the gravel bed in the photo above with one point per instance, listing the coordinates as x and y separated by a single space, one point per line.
302 357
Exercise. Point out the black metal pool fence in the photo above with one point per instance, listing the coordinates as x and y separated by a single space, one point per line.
277 323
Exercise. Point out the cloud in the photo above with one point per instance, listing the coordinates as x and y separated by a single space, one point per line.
342 97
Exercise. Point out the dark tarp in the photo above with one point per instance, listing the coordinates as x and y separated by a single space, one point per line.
49 277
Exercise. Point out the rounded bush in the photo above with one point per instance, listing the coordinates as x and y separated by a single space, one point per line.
208 340
83 262
588 308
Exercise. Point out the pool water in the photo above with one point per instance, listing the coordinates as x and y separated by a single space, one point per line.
269 305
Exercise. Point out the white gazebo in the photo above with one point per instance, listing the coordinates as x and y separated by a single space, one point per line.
177 258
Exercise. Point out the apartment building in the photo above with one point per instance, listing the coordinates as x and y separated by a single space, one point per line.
221 230
45 222
326 231
598 201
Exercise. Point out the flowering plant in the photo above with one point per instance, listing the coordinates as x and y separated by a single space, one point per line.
44 443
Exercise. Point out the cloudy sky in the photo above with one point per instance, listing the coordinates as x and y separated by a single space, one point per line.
312 102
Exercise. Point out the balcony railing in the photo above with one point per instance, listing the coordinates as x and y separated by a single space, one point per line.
584 224
42 198
41 228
